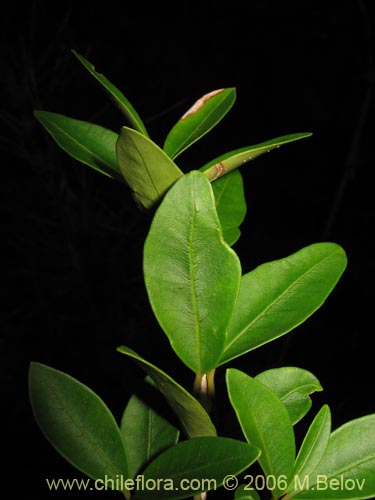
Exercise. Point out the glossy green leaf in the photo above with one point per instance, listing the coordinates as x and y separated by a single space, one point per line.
293 386
146 168
145 433
205 113
77 423
265 423
196 465
346 470
245 492
86 142
234 159
116 96
278 296
194 419
192 276
230 205
314 444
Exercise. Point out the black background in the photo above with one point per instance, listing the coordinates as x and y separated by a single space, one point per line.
72 287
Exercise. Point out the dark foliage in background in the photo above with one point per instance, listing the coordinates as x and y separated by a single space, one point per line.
72 287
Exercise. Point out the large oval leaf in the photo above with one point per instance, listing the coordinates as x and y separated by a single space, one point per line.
195 466
234 159
146 168
346 470
205 113
192 276
278 296
194 419
265 423
116 95
293 386
86 142
145 433
77 423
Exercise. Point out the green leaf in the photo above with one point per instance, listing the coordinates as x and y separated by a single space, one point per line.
192 276
146 168
293 386
234 159
195 466
278 296
116 95
230 205
194 419
265 423
314 444
86 142
205 113
77 423
244 492
346 470
145 434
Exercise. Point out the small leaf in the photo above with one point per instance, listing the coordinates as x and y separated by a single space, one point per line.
244 492
192 276
278 296
86 142
146 168
346 470
265 423
145 434
230 205
194 419
116 95
196 465
293 386
205 113
314 444
77 423
234 159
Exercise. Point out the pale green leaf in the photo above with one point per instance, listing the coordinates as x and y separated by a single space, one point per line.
205 113
146 168
265 423
278 296
192 276
293 386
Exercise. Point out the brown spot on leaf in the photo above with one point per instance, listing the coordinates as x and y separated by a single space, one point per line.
200 102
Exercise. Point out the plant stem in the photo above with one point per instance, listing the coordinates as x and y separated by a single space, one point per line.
201 496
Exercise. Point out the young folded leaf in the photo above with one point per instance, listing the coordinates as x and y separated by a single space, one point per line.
116 96
265 423
196 465
232 160
346 470
313 446
192 276
293 386
86 142
205 113
146 168
145 433
230 205
193 418
278 296
77 423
